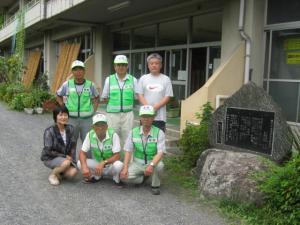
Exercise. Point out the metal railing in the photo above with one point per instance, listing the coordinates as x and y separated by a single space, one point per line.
11 19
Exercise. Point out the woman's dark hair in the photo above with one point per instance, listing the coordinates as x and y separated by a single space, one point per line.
59 109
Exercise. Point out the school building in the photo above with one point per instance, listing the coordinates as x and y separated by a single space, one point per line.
210 47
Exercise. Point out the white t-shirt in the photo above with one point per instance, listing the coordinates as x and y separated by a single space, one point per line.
161 145
154 88
86 145
105 91
64 136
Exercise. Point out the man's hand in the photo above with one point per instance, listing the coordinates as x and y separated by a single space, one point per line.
124 173
86 172
148 171
99 168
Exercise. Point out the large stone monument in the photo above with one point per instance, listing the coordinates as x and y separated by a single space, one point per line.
248 125
250 121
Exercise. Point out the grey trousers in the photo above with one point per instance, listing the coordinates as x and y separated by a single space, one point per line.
136 173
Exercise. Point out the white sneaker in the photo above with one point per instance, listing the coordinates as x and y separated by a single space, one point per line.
53 179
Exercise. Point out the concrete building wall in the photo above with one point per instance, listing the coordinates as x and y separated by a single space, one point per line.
102 51
230 35
256 9
253 26
49 56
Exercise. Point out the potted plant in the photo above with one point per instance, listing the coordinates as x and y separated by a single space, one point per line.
28 102
49 104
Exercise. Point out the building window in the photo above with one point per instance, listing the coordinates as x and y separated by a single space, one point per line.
173 32
285 57
144 37
282 70
207 28
121 40
281 11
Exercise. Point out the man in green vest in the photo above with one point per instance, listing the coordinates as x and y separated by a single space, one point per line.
81 98
119 93
103 144
147 145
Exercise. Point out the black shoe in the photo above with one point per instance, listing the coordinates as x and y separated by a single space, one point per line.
120 184
145 178
155 190
90 180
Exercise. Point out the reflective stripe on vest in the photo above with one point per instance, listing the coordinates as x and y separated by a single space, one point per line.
120 99
79 105
105 153
145 151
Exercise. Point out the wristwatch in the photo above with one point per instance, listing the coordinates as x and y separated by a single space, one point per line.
152 164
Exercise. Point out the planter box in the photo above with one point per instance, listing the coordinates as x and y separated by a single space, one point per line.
39 110
28 110
49 105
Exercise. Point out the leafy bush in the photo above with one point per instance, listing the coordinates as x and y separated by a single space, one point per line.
28 101
17 102
3 87
12 90
194 139
40 96
281 186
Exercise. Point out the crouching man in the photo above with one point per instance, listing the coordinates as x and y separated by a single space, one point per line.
104 145
147 144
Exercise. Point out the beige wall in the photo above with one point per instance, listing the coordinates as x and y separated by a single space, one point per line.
226 80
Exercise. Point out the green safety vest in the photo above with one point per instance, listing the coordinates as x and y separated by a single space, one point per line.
79 105
145 151
121 99
106 151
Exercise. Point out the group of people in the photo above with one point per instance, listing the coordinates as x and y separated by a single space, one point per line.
106 136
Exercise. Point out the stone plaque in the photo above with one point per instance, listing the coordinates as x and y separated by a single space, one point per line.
251 121
250 129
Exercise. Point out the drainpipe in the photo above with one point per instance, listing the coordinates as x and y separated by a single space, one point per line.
248 41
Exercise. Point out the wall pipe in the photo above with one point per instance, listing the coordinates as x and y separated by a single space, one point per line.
248 42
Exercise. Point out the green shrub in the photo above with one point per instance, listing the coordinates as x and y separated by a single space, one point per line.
17 102
194 139
3 87
281 186
40 96
28 101
12 90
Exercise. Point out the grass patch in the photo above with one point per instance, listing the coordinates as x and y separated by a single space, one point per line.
178 178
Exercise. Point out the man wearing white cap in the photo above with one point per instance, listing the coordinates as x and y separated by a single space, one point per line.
119 93
81 99
104 145
147 145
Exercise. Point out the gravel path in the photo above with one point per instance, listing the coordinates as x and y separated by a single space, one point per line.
27 198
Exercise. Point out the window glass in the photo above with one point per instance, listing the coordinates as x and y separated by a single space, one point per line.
207 27
286 96
121 40
173 32
285 57
281 11
144 37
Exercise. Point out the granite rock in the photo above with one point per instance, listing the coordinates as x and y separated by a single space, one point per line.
225 174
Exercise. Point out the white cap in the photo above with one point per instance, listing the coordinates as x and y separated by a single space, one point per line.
99 118
77 63
147 110
121 59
